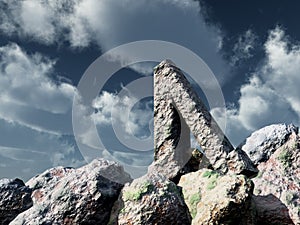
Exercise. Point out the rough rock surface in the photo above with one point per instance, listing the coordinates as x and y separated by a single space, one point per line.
151 199
178 109
270 210
222 194
279 177
14 199
218 199
74 196
264 142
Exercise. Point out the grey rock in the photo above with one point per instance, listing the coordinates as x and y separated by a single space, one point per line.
177 111
213 198
279 177
14 199
74 196
151 199
263 143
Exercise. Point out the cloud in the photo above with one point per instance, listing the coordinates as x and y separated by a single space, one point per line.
29 95
109 23
244 47
126 111
272 93
25 152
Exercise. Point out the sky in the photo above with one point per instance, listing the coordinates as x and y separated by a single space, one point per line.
252 48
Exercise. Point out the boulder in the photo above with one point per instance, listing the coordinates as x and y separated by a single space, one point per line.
14 199
264 142
279 177
151 199
270 210
74 196
213 198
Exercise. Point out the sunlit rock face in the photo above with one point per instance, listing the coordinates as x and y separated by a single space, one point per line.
151 199
74 196
177 111
276 151
213 198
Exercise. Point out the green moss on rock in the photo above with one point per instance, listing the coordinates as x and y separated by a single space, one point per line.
137 194
194 199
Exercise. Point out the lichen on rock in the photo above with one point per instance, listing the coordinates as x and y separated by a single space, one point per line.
213 198
74 196
151 199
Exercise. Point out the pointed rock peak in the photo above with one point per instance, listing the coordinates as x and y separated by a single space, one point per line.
167 63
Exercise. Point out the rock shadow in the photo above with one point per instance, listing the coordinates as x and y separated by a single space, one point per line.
270 210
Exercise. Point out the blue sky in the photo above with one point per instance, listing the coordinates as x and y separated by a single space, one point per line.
45 47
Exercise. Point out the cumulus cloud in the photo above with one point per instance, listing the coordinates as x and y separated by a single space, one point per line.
244 47
272 93
134 121
28 95
109 23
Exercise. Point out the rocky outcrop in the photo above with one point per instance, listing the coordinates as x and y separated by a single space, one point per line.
151 199
264 142
74 196
213 198
177 111
14 199
278 183
214 187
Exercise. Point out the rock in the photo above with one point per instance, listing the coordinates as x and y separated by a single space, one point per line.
263 143
74 196
151 199
270 210
177 111
14 199
213 198
279 176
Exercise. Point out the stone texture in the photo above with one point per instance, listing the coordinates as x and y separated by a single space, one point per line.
74 196
177 111
279 177
270 210
14 199
151 200
213 198
264 142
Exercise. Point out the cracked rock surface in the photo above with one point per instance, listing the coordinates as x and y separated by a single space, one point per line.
15 198
74 196
151 199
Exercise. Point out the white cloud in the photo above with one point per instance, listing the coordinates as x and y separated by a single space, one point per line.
110 23
35 19
133 121
27 93
272 93
25 152
244 47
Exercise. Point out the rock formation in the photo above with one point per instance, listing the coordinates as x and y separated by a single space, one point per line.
177 111
217 191
14 199
151 199
213 197
276 150
264 142
73 196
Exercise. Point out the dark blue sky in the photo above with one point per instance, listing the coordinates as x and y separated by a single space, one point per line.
251 47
